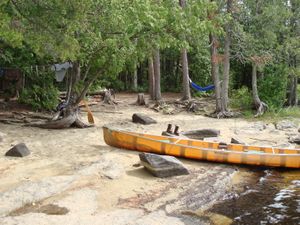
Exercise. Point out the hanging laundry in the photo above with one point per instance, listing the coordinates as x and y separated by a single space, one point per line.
60 70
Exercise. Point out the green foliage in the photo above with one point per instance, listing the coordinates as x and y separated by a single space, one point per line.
290 113
40 93
272 87
241 99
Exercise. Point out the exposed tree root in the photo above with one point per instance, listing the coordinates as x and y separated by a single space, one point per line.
223 115
261 109
80 124
63 123
107 99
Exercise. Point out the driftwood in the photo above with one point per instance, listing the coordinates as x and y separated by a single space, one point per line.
56 124
22 117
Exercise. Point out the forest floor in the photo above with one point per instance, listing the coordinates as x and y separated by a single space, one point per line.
73 177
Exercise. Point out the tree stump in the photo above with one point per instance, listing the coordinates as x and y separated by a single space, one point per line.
107 99
141 99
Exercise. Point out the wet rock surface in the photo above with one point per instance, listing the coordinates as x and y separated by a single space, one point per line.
162 166
143 119
19 150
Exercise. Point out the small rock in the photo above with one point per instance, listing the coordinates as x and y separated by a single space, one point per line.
237 140
285 125
201 133
162 166
295 140
136 165
19 150
142 118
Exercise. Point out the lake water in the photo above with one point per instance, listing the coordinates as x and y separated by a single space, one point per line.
273 197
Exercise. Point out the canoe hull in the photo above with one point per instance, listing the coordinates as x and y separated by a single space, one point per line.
170 146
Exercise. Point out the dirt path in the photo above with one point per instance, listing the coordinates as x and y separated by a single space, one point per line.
73 177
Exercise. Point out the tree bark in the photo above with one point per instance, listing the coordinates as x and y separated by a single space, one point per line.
135 79
226 65
157 75
186 93
293 98
151 78
260 106
215 72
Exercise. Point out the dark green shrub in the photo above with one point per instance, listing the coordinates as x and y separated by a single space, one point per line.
241 98
272 87
40 92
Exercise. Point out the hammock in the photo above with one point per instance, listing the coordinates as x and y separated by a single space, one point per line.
199 88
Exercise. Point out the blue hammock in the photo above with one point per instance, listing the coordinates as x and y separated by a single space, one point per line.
199 88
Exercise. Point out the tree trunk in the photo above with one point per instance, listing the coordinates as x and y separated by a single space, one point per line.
293 98
186 93
135 79
151 78
215 72
157 77
69 115
226 68
141 99
260 106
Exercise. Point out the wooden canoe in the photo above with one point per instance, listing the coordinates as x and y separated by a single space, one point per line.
203 150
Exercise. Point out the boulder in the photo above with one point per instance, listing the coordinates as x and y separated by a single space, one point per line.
162 165
237 140
285 125
295 139
19 150
201 133
142 118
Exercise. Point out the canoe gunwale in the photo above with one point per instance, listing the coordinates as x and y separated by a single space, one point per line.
248 151
253 157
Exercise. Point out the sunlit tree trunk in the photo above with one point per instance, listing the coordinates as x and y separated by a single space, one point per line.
186 93
135 79
260 106
226 68
215 72
151 78
157 75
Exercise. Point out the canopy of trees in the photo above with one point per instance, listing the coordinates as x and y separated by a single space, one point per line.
249 46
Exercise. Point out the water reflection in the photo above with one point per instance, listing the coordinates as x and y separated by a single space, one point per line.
273 198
